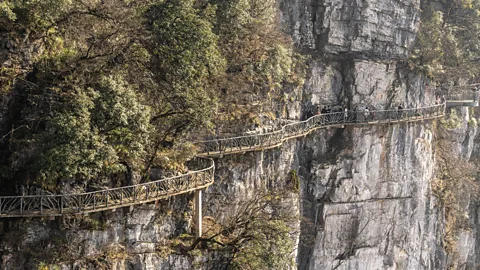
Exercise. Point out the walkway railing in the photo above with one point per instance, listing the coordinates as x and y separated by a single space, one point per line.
255 142
464 95
54 205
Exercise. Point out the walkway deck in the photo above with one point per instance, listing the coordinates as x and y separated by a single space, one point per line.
462 103
203 176
56 205
258 142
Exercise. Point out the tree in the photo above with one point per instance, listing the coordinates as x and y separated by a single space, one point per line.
448 49
81 102
257 235
261 60
91 133
455 181
185 62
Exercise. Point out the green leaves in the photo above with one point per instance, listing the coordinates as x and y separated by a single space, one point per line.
114 86
96 132
186 61
448 49
34 15
6 11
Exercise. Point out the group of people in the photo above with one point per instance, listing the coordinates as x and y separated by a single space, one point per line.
358 114
368 113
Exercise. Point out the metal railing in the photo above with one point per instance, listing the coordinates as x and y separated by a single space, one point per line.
239 144
464 95
54 205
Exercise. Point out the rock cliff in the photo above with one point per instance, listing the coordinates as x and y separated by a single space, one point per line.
365 197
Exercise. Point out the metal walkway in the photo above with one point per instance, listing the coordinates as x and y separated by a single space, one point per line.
257 142
203 175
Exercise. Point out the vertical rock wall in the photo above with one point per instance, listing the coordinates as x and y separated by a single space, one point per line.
365 200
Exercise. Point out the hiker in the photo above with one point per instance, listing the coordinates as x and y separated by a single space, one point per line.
366 113
372 113
324 110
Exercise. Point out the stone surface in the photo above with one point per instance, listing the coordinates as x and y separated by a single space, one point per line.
365 197
370 28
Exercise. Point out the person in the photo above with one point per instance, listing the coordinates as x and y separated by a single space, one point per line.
345 115
366 113
324 110
372 113
400 112
417 113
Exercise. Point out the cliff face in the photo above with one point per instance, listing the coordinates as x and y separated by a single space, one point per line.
370 28
365 197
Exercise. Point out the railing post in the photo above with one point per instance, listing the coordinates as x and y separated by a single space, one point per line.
22 190
61 204
94 201
41 202
106 199
79 204
198 213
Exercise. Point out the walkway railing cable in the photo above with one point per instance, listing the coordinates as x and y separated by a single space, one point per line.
203 176
55 205
255 142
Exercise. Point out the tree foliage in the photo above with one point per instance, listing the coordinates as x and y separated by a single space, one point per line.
112 88
86 133
260 59
455 186
185 60
448 49
257 234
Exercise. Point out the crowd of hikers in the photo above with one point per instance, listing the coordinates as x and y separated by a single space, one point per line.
359 113
364 113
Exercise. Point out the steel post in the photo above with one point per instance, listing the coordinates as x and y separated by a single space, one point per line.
198 213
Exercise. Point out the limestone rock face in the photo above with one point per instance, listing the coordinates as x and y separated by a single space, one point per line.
371 28
370 207
365 196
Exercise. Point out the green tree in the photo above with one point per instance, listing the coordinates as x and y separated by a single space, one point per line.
92 133
258 234
260 59
186 60
448 49
81 104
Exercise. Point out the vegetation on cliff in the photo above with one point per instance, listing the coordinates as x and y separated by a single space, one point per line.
104 90
449 41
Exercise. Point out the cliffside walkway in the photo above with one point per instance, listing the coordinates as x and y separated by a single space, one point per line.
465 95
95 201
203 175
262 141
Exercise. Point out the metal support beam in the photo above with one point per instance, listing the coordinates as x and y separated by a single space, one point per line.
198 213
